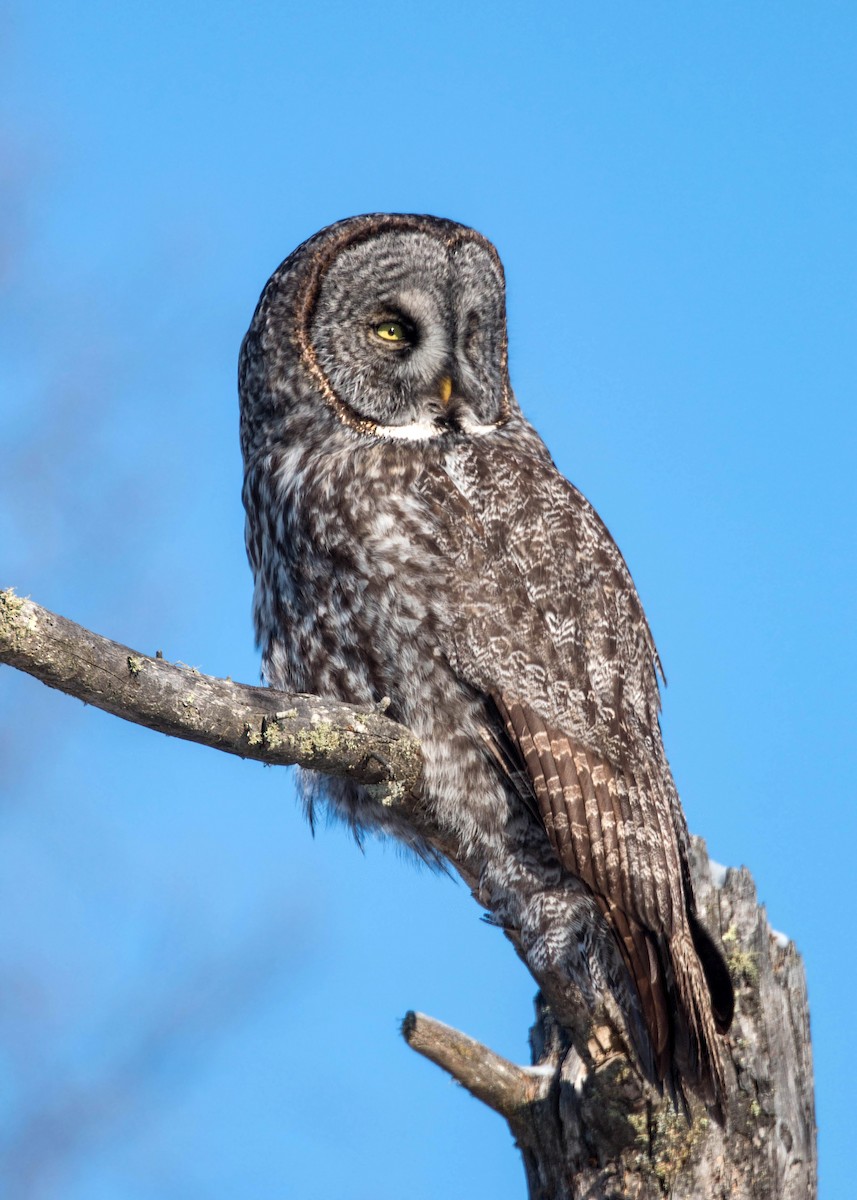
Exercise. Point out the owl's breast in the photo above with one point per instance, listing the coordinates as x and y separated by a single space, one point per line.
350 579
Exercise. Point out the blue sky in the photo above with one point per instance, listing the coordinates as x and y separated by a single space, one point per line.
200 1000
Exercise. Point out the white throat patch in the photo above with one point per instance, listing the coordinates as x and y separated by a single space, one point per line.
414 431
424 431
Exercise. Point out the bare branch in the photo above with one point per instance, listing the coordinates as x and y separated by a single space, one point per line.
500 1084
252 722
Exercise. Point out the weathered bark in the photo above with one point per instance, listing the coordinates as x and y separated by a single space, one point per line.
587 1131
599 1136
253 722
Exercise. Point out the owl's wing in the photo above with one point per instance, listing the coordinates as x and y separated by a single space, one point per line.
605 828
548 625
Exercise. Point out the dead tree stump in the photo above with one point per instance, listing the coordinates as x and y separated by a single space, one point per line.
599 1136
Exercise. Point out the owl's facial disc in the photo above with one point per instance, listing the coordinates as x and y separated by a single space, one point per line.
408 333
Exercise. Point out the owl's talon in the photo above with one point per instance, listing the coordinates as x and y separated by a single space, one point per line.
382 762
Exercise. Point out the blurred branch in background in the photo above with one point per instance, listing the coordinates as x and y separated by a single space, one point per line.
64 366
93 1021
59 1118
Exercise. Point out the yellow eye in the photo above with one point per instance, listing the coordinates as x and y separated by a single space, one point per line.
391 331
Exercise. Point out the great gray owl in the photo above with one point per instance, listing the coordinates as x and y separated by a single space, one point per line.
411 539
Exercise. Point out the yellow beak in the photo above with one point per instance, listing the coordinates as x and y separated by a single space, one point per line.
445 389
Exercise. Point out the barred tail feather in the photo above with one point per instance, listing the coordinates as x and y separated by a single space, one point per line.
697 1037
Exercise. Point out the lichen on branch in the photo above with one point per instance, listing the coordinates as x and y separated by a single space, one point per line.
252 722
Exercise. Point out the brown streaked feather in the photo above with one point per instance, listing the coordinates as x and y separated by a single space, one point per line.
628 849
601 777
572 800
572 806
668 873
579 757
631 866
705 1063
641 957
557 789
561 799
591 824
644 898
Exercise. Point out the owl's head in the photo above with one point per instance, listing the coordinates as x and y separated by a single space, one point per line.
394 324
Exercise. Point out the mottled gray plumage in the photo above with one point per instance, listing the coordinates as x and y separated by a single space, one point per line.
411 538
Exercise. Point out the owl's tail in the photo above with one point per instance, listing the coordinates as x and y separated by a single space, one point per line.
687 1003
703 1012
